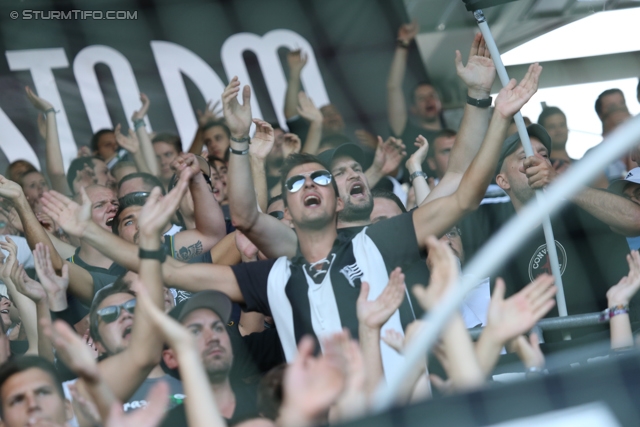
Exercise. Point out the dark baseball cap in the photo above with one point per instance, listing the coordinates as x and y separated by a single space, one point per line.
512 142
618 186
215 301
351 150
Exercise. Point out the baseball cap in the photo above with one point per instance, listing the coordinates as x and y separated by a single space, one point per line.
617 186
351 150
513 141
215 301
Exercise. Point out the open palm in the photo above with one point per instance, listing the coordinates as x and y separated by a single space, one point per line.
238 116
375 313
513 96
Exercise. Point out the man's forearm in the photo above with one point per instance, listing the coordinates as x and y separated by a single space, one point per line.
146 148
291 96
55 164
198 143
617 212
112 246
242 197
396 105
34 232
45 348
207 212
314 136
259 178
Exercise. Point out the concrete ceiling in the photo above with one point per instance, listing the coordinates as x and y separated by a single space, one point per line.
446 25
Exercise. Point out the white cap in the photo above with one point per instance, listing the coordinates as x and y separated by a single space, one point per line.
618 185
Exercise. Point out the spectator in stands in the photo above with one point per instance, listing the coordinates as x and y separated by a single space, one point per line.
167 147
629 188
18 168
104 145
216 139
85 171
34 185
439 151
555 123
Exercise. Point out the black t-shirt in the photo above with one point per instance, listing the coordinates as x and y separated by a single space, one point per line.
254 354
591 256
246 408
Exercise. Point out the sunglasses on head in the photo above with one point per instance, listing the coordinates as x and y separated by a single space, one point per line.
111 313
277 215
296 182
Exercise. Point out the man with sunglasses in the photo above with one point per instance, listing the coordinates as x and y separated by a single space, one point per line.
629 188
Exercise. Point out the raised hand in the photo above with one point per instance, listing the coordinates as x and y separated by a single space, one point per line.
55 286
26 285
296 59
139 115
408 32
399 342
414 163
9 189
307 109
375 313
513 96
292 144
84 151
622 292
129 143
8 262
247 249
480 72
72 350
39 103
158 210
262 141
539 170
12 217
366 138
211 113
46 221
72 217
312 385
444 267
238 116
506 319
84 177
389 155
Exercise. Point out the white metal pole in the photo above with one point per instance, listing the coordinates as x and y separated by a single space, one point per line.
528 149
503 243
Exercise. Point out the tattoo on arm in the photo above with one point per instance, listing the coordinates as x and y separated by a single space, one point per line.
185 253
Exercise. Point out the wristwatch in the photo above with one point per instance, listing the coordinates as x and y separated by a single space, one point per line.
417 174
480 103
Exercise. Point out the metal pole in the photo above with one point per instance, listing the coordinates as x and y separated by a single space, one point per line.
552 252
502 244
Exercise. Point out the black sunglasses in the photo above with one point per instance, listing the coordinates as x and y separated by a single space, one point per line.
137 198
295 183
111 313
277 215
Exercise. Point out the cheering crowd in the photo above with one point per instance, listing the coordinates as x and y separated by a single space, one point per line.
274 277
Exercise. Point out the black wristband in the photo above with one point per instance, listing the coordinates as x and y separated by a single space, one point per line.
480 103
403 44
159 254
238 152
243 139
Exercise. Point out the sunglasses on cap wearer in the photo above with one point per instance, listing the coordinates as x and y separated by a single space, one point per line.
296 182
137 198
111 313
277 215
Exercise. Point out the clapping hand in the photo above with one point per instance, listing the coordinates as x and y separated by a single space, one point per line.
129 143
414 163
444 268
139 115
622 292
72 217
238 116
480 72
375 313
389 155
514 95
39 103
262 141
210 114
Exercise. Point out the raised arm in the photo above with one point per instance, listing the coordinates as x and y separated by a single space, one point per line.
414 166
372 315
387 159
209 218
296 60
80 281
259 149
272 237
53 153
438 216
146 147
209 115
396 104
478 75
126 371
310 112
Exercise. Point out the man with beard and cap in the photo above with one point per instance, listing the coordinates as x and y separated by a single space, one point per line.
226 356
591 256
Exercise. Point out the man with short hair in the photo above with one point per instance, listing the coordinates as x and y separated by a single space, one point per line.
167 147
31 393
85 171
216 138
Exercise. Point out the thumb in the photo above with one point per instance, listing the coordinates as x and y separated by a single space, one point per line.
458 61
65 272
499 290
85 197
364 292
